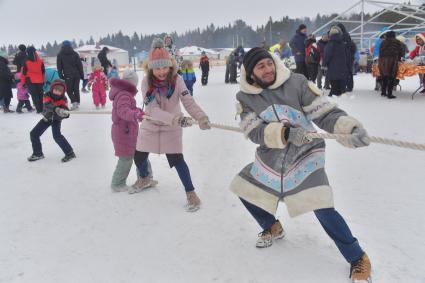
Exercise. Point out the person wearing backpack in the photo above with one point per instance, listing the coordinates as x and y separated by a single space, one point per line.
312 58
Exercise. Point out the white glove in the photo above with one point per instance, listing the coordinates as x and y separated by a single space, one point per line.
62 112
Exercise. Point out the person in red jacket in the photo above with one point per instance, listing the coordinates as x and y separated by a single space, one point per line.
419 51
312 58
33 76
420 46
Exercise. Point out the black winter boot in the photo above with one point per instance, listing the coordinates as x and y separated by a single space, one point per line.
69 156
35 157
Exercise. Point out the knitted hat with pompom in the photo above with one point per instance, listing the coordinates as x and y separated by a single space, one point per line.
159 56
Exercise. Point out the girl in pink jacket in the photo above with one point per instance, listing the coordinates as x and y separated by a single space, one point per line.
98 82
22 94
161 132
125 126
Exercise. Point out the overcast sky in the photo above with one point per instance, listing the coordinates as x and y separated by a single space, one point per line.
40 21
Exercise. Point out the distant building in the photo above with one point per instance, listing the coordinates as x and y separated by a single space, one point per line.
195 52
116 55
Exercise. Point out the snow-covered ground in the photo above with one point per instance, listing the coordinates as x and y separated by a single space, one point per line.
61 222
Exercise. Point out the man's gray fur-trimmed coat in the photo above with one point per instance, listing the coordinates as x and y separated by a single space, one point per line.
281 170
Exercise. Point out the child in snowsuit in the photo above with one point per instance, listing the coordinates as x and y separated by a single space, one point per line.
163 90
125 126
22 94
113 73
188 75
55 109
204 64
98 84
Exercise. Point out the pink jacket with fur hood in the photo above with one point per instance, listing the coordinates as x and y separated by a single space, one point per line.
160 135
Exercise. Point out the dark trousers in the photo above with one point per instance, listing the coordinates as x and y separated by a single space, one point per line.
349 82
6 101
204 79
21 104
387 85
233 73
227 74
6 93
312 70
36 91
105 69
336 87
85 81
301 68
331 221
40 128
320 75
73 88
174 160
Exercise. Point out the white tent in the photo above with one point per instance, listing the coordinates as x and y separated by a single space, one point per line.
412 20
116 55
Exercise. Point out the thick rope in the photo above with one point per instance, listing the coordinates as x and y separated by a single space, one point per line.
372 139
384 141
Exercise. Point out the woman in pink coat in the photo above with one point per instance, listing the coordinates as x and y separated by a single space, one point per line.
161 132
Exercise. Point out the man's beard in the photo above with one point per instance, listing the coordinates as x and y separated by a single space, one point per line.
262 83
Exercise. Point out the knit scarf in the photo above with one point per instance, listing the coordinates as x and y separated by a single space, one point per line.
162 88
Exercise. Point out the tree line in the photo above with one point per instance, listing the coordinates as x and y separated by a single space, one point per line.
231 35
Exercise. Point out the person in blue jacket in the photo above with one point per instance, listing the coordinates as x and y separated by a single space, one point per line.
376 47
297 45
335 61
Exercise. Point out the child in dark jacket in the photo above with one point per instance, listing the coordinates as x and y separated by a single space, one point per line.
55 109
204 64
188 75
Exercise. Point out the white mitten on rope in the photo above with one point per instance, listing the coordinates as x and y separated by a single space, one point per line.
204 123
356 135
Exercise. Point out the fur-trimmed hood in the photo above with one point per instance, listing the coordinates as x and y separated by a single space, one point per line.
282 75
421 36
119 85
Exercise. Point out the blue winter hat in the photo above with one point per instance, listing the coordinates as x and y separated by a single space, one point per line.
66 43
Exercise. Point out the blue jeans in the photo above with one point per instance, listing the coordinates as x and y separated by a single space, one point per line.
333 223
174 160
40 128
